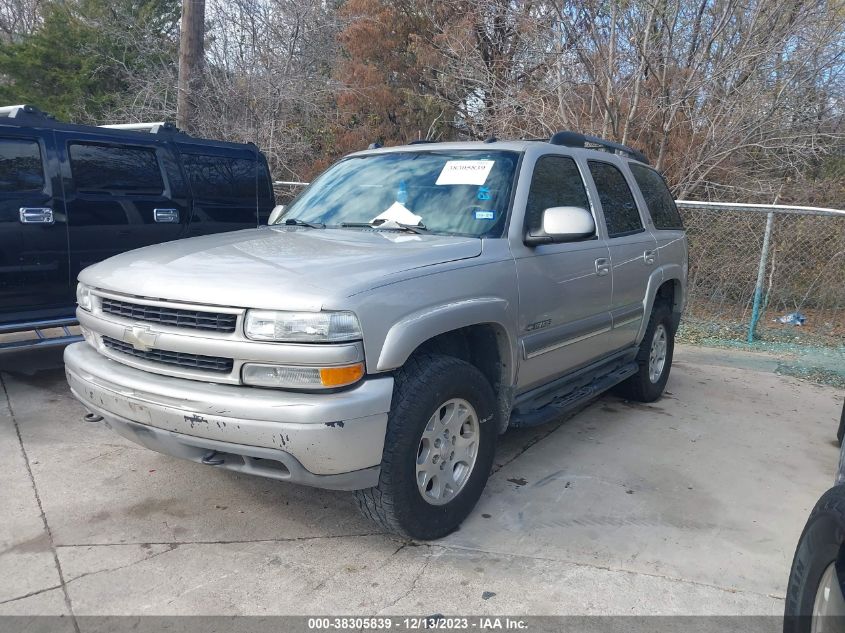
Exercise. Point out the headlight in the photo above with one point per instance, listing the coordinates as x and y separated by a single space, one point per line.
302 327
285 377
83 296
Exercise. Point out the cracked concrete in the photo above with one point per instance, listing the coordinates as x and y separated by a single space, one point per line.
692 505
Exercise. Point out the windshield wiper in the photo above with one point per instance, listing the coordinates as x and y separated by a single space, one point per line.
310 225
413 228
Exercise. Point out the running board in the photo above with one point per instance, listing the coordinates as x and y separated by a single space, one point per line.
571 396
41 339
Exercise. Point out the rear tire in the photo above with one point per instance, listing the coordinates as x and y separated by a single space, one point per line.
656 351
431 477
818 568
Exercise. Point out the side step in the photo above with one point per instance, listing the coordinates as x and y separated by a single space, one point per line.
571 395
41 336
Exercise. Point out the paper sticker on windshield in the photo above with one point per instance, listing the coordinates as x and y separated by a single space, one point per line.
465 172
483 214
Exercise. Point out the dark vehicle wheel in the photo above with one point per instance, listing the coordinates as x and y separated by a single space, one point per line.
840 434
654 358
814 595
438 450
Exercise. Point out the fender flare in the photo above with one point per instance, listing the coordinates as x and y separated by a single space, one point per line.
410 332
667 272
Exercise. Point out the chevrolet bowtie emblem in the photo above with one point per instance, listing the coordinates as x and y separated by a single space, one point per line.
140 337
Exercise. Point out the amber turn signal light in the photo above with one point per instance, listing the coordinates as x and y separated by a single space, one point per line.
341 376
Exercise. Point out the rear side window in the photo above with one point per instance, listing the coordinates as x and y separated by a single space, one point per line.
97 168
219 176
661 204
20 165
556 183
617 201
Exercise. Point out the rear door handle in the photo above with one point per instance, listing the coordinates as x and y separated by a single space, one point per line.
166 216
648 257
36 215
602 266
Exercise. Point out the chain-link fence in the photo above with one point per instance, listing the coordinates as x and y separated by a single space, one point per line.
769 275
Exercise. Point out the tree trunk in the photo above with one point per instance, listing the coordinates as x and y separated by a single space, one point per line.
191 53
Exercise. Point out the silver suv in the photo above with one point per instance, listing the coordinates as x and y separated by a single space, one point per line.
408 307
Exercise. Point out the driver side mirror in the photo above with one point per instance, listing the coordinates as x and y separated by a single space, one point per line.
563 224
277 212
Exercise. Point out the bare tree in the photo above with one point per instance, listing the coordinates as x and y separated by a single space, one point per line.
18 18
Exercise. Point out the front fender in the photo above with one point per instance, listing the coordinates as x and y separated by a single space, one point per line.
415 329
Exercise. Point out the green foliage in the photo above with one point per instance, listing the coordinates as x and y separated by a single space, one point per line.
84 53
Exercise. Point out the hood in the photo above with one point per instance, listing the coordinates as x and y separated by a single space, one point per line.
279 267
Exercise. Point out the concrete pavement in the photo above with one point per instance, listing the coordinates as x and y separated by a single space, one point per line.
692 505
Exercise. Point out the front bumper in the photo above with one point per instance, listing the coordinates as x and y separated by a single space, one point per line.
327 440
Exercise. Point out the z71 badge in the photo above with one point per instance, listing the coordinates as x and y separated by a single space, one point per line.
539 325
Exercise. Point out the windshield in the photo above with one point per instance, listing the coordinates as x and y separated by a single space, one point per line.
456 192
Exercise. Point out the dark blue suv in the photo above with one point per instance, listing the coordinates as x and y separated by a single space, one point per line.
72 195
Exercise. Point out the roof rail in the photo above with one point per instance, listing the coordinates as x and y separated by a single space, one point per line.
576 139
152 128
22 111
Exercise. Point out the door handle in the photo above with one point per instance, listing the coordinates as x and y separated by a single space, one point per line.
36 215
166 216
602 266
648 257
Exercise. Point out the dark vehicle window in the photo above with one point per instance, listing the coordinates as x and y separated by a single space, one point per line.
556 183
20 165
661 204
219 176
617 201
113 168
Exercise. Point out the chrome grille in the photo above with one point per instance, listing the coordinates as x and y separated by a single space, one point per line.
180 359
176 317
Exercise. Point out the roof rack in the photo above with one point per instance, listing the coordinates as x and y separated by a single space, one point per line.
152 128
23 111
576 139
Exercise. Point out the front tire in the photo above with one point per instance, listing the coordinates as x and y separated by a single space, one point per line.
654 358
814 594
438 449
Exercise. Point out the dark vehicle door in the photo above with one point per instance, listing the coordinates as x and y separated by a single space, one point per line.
120 195
223 184
34 279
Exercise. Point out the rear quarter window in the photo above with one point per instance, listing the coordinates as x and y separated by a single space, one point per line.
214 177
661 204
21 168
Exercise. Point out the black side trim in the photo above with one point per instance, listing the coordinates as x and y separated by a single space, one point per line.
566 334
626 313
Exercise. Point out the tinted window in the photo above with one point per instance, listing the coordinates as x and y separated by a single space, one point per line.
657 196
617 201
114 168
20 165
556 183
219 176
